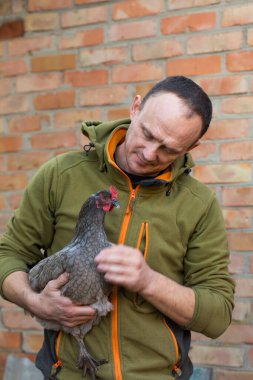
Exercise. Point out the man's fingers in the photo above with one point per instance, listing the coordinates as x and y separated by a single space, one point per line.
60 281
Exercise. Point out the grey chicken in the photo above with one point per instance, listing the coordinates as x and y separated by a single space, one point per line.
86 286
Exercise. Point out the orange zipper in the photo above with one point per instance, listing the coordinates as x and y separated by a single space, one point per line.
57 348
121 240
175 366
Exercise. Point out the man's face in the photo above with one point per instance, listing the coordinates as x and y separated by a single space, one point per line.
160 132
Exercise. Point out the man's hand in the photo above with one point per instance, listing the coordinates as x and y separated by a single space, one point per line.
49 304
124 266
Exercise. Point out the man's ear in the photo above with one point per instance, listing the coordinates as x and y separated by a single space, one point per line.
135 106
194 145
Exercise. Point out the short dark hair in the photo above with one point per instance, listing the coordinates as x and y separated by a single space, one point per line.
192 94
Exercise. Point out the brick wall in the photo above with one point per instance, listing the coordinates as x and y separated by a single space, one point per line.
63 61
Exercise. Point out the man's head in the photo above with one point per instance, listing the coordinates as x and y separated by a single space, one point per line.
190 93
167 123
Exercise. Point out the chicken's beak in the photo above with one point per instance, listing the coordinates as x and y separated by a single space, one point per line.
115 203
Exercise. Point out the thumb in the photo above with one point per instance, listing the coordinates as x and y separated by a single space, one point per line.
60 281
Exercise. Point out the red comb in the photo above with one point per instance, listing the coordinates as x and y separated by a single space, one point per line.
114 192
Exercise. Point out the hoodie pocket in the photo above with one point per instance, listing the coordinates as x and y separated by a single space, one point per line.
143 246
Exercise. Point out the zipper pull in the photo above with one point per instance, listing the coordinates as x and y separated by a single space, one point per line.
132 200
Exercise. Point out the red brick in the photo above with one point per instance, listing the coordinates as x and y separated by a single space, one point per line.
10 143
240 241
5 303
136 8
242 311
137 29
83 38
242 61
104 95
244 286
237 264
224 85
10 340
234 173
54 140
204 151
188 23
17 6
219 356
215 42
14 104
22 46
28 123
84 16
239 15
238 104
180 4
13 181
3 359
2 124
61 99
17 319
237 218
5 7
234 375
32 342
160 49
27 355
2 163
12 68
41 5
4 218
15 200
238 196
118 113
194 66
79 2
41 21
3 204
2 48
38 82
107 56
5 86
143 88
242 150
54 63
11 29
86 78
136 72
250 37
228 129
27 161
70 119
238 334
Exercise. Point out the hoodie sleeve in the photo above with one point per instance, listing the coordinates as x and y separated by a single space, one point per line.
206 272
31 229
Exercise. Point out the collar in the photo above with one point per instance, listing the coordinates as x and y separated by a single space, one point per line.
118 137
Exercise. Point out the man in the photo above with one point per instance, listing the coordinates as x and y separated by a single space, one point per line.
169 267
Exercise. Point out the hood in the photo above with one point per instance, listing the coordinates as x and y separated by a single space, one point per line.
98 133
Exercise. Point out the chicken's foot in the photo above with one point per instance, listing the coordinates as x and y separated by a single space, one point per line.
87 362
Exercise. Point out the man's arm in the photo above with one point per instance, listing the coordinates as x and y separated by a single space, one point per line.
126 266
49 304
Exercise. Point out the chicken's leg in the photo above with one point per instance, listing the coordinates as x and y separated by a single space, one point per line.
86 361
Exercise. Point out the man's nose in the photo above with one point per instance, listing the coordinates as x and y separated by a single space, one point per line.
149 152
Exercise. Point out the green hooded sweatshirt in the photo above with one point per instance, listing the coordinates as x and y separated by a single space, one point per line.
175 221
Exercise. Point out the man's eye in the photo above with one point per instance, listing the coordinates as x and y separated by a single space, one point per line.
147 135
